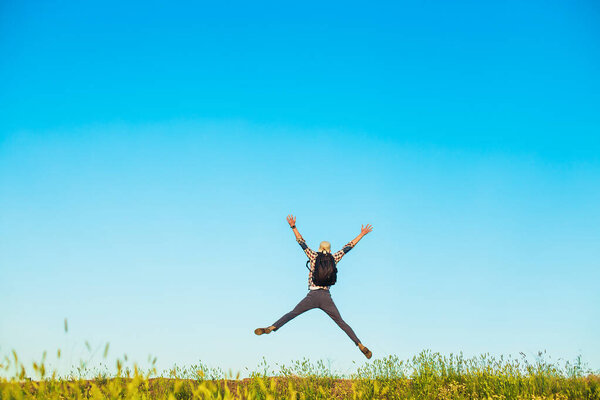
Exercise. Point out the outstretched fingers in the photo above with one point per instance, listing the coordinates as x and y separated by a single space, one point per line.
366 229
291 220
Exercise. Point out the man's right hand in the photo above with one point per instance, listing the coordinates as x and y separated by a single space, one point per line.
291 220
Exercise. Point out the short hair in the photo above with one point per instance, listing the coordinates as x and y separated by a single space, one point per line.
325 247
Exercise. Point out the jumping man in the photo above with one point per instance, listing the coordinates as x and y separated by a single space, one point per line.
318 295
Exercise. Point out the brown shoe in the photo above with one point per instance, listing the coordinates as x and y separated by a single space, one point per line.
366 351
260 331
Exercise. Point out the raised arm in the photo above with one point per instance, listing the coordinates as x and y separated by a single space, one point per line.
310 253
363 231
292 221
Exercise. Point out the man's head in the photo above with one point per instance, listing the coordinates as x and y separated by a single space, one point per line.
325 247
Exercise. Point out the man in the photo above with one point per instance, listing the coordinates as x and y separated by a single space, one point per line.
319 296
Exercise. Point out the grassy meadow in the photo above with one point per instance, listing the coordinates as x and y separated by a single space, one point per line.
428 375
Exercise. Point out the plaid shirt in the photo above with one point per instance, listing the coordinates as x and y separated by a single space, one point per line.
312 256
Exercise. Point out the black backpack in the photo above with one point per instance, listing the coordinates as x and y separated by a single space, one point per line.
325 272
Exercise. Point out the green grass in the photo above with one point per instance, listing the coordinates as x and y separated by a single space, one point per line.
426 376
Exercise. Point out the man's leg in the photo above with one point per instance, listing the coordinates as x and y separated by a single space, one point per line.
329 307
305 304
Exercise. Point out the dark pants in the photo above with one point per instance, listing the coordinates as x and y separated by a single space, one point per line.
320 298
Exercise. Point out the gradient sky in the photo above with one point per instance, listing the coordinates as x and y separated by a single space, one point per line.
149 154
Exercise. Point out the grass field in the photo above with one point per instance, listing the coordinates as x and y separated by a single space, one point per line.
425 376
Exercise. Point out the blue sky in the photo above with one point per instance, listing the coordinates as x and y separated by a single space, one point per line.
149 154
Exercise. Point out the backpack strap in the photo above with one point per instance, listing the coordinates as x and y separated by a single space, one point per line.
308 266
